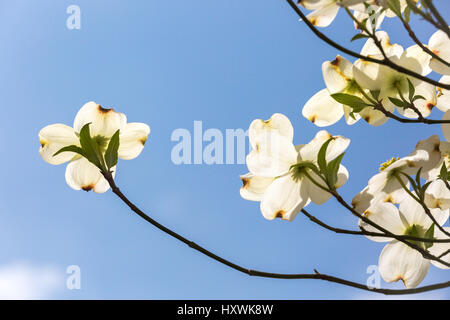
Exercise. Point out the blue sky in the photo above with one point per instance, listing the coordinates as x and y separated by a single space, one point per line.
168 64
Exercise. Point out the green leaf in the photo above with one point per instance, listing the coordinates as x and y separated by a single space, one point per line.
399 103
71 148
411 90
90 148
111 154
394 5
332 171
349 100
418 177
412 181
429 235
359 36
321 156
443 173
407 14
418 97
375 94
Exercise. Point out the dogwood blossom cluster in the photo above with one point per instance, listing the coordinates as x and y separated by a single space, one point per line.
280 175
370 91
390 201
81 174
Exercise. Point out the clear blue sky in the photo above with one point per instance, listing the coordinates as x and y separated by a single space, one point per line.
168 63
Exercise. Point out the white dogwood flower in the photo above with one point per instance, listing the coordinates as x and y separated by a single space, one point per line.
274 179
322 110
80 173
325 10
394 84
398 261
385 186
439 44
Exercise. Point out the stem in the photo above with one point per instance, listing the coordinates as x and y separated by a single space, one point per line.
385 61
443 24
315 275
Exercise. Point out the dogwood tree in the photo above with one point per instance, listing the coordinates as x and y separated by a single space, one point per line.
406 204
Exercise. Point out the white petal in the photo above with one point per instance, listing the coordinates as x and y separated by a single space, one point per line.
342 177
443 100
83 175
335 148
439 248
415 59
370 49
446 126
273 155
316 194
337 74
369 75
324 16
385 215
412 213
437 195
387 188
314 4
254 187
348 118
284 199
322 109
431 146
53 138
278 123
439 43
132 140
400 262
104 122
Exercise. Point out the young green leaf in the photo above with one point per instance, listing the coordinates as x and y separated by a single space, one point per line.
321 156
394 5
349 100
429 234
411 90
375 94
90 148
359 36
332 171
111 154
72 148
399 103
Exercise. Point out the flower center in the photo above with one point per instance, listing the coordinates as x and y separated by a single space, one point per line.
386 164
102 142
298 171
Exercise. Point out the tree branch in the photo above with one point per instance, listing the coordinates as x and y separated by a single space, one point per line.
385 62
316 275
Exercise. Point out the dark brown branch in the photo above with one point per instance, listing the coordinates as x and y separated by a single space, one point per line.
385 62
443 24
316 275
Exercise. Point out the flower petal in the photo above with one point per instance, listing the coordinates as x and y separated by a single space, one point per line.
254 187
370 49
55 137
132 140
337 74
437 195
412 213
400 262
284 199
324 16
104 122
439 43
278 123
322 109
439 248
273 155
335 148
443 98
83 175
385 215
